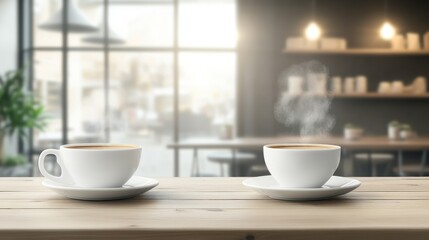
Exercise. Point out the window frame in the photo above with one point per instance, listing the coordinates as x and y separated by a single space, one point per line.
27 50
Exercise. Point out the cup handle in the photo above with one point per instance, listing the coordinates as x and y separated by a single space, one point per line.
64 178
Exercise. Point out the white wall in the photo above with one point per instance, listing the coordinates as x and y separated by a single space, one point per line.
9 49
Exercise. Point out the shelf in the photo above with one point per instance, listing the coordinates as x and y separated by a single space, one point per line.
372 95
378 95
359 51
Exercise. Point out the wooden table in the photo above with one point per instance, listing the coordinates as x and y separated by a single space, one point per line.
369 143
217 208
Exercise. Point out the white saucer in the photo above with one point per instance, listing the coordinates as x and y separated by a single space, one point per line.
335 186
135 186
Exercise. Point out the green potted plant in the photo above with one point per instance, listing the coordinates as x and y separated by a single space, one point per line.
352 131
18 113
407 132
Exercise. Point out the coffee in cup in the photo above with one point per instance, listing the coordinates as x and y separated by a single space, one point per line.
302 165
93 165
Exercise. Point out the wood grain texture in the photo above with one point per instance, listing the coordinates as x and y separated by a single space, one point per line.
217 208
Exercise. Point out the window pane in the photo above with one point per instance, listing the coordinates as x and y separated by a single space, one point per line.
86 115
141 107
207 23
207 102
43 10
47 86
146 23
207 93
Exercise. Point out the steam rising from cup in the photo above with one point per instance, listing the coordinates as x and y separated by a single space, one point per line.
305 105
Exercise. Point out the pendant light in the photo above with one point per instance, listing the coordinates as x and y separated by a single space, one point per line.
77 21
313 32
98 37
387 30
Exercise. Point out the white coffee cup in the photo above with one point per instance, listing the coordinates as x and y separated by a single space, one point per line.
93 165
302 165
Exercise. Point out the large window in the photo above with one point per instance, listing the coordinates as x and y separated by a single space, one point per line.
121 85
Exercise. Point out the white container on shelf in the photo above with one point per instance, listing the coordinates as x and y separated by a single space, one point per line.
295 85
296 43
397 87
317 83
426 41
329 44
419 85
398 42
336 85
393 132
384 87
349 85
407 134
353 133
413 41
311 44
361 84
342 43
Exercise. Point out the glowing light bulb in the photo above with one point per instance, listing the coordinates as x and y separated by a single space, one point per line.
387 31
313 31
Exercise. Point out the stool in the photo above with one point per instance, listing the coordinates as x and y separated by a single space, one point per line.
227 158
375 160
415 169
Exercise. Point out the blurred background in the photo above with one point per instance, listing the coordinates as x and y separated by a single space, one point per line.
202 85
